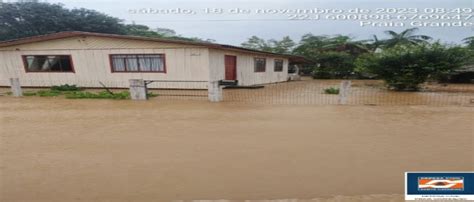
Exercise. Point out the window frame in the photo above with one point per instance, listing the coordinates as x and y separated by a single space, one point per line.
255 65
282 65
138 67
25 64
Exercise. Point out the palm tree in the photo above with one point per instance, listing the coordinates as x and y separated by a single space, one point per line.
469 41
406 37
374 44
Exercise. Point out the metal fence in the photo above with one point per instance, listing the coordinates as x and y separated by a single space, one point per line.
361 92
305 92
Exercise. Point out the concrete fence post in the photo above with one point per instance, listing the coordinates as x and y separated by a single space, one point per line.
138 90
16 87
214 91
344 91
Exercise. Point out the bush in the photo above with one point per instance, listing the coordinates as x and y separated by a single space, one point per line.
331 90
65 87
406 67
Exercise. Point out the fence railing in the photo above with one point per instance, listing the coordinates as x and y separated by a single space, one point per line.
305 92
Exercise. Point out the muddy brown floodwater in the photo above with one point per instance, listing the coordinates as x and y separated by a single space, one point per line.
54 149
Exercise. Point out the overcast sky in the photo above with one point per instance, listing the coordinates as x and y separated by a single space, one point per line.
236 28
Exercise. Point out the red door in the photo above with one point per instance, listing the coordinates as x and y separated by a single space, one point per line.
230 67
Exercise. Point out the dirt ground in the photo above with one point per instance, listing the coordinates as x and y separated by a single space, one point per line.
54 149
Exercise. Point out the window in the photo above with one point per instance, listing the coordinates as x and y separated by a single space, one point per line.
278 65
260 64
138 63
48 63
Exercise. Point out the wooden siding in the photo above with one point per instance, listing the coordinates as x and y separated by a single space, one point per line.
245 68
90 56
92 64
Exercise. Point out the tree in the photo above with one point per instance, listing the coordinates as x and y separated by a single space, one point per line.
256 43
343 43
284 46
29 19
406 67
469 41
24 19
334 54
165 32
310 45
375 44
406 37
141 30
334 65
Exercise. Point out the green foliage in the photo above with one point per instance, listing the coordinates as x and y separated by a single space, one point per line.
150 94
331 90
335 55
284 46
334 65
145 31
141 30
100 95
311 46
469 41
65 87
29 93
48 93
406 37
24 19
28 19
406 67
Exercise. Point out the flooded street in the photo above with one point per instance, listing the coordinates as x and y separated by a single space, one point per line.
362 92
55 149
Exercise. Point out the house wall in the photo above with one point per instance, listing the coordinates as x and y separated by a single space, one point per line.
90 57
245 68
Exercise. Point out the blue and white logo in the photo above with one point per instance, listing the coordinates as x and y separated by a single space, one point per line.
439 185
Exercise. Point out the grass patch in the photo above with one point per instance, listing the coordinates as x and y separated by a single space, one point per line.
29 93
151 95
65 87
48 93
100 95
331 90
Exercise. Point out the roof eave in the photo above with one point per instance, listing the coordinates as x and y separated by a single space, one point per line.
62 35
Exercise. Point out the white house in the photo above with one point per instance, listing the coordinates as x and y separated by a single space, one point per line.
85 59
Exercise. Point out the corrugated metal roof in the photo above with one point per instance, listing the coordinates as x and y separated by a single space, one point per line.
61 35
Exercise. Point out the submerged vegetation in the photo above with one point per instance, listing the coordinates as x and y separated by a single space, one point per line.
100 95
74 92
331 90
65 87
